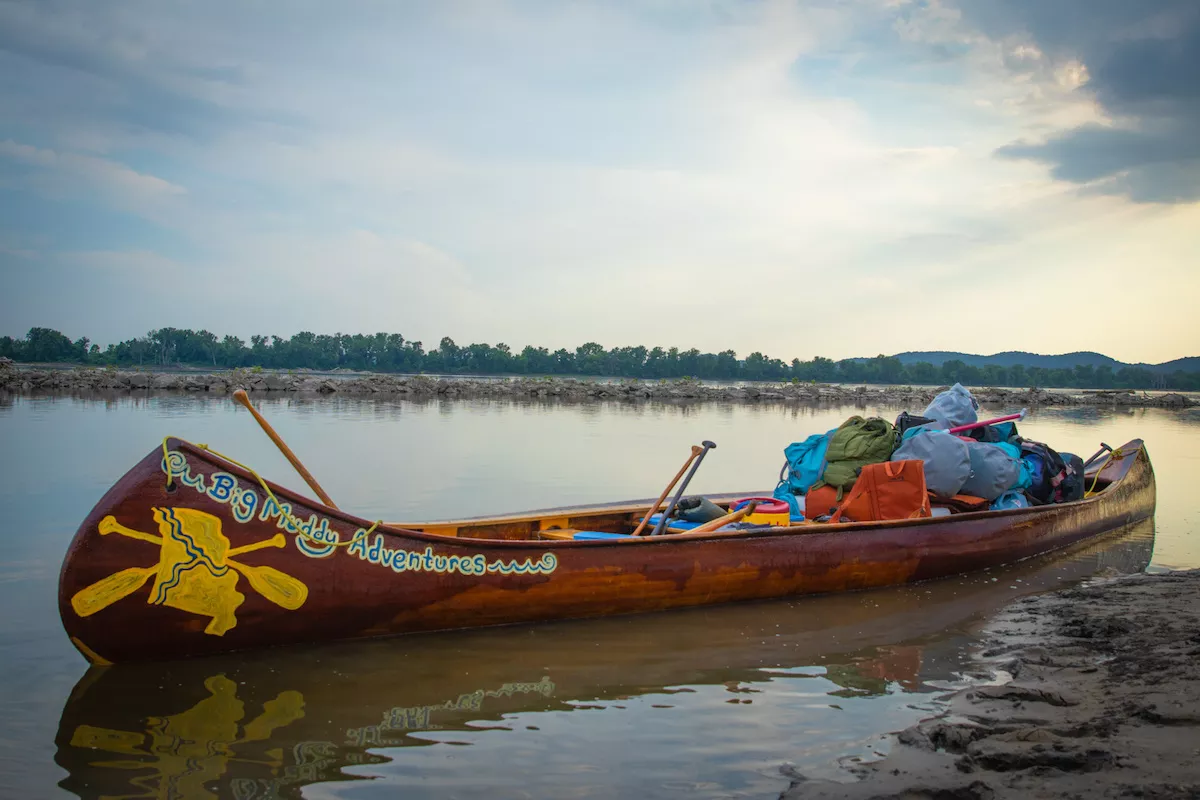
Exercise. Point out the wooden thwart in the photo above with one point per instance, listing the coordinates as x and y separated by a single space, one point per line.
558 533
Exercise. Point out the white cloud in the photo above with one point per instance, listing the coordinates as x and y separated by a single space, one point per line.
146 262
92 171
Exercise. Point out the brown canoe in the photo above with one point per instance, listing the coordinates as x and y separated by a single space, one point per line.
238 566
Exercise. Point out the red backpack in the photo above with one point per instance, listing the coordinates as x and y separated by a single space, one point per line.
888 490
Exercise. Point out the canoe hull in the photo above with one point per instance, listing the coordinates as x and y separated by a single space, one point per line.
215 564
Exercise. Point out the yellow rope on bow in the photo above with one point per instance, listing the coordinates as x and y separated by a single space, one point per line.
1111 455
167 463
292 518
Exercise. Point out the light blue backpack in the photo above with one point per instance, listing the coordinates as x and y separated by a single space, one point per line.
805 466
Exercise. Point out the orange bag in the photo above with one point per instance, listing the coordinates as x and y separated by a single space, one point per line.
888 490
818 502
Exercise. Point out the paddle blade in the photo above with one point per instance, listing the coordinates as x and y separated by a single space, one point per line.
90 737
278 587
285 709
106 591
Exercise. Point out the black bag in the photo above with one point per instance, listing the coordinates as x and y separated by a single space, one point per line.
698 509
993 434
907 420
1072 487
1055 479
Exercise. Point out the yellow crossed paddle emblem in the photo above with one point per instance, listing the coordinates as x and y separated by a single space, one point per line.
187 753
193 572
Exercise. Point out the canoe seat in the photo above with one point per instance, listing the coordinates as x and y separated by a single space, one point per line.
557 533
572 533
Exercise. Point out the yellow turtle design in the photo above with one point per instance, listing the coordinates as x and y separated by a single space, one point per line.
195 571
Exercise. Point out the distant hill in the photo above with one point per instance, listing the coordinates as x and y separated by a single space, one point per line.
1190 364
1065 361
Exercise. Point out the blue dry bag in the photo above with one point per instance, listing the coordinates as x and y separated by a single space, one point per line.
1011 499
805 466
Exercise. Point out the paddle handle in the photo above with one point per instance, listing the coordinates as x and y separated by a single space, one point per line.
661 527
696 450
241 397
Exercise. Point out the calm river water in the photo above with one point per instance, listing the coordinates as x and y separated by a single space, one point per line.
708 702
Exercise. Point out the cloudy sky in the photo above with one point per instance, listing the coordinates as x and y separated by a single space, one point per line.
835 177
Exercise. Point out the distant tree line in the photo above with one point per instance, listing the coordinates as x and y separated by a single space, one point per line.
391 352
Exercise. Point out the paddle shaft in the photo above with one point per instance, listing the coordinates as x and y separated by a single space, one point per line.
662 523
986 422
696 450
240 396
1103 449
720 522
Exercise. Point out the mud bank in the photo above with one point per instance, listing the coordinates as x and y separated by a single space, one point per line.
1104 701
66 381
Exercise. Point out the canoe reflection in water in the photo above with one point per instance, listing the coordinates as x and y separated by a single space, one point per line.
267 723
186 754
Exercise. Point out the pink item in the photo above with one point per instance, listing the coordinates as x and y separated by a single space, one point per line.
986 422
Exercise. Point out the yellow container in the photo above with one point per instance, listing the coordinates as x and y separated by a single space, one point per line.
769 518
768 511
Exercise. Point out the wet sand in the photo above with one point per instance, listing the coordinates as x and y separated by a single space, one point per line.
1103 701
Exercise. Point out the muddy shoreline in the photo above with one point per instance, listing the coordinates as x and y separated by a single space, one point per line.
1103 701
80 381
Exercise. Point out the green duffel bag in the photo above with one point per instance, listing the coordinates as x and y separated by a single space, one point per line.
699 509
856 443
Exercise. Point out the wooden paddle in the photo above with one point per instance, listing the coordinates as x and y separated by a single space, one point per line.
103 593
696 450
241 397
720 522
661 527
278 587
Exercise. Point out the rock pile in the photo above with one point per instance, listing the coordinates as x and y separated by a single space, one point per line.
68 381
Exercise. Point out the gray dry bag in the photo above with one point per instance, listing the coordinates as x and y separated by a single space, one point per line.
947 462
993 471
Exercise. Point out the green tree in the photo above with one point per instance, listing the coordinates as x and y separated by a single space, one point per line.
923 373
590 358
993 375
49 345
823 369
887 369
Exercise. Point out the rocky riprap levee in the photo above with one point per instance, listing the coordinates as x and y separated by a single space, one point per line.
68 381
